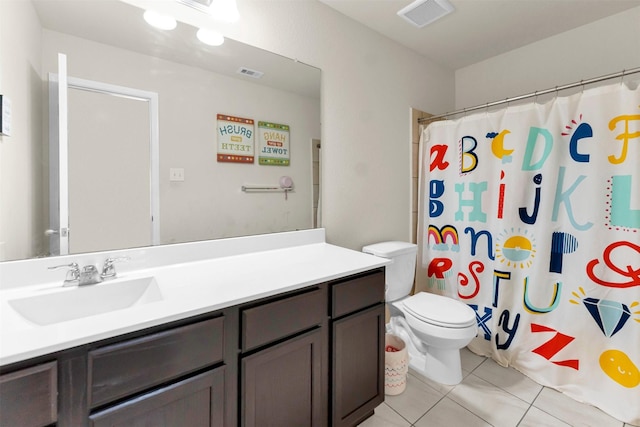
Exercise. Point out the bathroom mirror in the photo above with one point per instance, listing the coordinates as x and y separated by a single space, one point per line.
200 198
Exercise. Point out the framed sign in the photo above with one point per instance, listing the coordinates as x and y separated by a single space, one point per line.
235 139
274 144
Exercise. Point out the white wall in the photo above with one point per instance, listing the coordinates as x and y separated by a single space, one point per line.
603 47
21 170
369 84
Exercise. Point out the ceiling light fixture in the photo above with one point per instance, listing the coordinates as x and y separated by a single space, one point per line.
423 12
210 37
159 20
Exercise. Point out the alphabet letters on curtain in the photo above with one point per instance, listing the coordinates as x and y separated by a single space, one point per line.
531 216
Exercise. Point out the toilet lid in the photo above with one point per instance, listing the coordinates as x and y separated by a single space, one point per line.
439 310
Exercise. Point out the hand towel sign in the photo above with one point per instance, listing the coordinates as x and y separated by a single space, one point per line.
274 144
236 141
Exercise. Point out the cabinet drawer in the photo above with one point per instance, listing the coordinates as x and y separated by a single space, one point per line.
274 320
196 401
29 397
128 367
357 293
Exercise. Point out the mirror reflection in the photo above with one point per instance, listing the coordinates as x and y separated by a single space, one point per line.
117 196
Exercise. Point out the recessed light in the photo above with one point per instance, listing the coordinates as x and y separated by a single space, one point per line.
159 20
212 38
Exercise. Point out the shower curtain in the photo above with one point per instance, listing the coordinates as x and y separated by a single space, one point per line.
531 216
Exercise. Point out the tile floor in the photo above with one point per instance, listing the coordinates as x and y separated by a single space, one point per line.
489 395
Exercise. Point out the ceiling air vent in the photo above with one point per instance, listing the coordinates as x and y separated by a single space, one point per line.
201 5
424 12
206 3
250 73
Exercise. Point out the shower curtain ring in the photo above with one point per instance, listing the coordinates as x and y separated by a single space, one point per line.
535 99
582 84
622 77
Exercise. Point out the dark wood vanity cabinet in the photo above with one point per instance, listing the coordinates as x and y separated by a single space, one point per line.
306 358
174 375
319 358
357 330
283 361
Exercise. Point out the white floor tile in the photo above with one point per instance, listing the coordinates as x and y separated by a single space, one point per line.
470 360
415 401
448 413
508 379
489 396
496 406
442 388
573 412
384 416
536 418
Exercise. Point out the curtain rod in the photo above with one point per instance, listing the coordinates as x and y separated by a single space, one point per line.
531 95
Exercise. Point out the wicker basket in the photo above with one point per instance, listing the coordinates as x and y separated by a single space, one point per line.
396 365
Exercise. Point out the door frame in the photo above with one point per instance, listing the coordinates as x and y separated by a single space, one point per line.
58 143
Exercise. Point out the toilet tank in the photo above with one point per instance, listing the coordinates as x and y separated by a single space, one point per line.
401 272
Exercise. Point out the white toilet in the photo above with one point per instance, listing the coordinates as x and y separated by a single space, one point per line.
434 327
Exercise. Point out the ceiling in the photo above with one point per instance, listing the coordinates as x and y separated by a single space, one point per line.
479 29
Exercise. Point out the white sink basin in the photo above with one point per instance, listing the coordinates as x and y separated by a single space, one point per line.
83 301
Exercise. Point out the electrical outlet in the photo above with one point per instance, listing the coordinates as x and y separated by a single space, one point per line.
176 174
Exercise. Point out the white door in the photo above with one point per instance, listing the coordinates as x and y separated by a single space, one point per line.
109 174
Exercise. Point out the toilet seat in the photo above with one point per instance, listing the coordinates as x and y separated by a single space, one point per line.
439 310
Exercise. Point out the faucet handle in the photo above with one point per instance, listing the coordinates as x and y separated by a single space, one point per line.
108 269
73 274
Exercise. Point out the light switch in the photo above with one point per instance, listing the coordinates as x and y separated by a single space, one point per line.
176 174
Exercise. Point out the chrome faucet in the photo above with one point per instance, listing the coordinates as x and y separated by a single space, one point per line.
88 275
109 270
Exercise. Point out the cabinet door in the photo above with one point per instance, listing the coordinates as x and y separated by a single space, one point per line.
281 385
195 402
28 398
358 366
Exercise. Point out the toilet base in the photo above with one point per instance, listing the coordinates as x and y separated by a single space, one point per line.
431 366
438 364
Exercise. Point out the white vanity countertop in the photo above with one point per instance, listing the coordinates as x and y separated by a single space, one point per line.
188 289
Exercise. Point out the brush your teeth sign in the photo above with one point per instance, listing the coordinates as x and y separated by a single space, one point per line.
274 144
235 139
